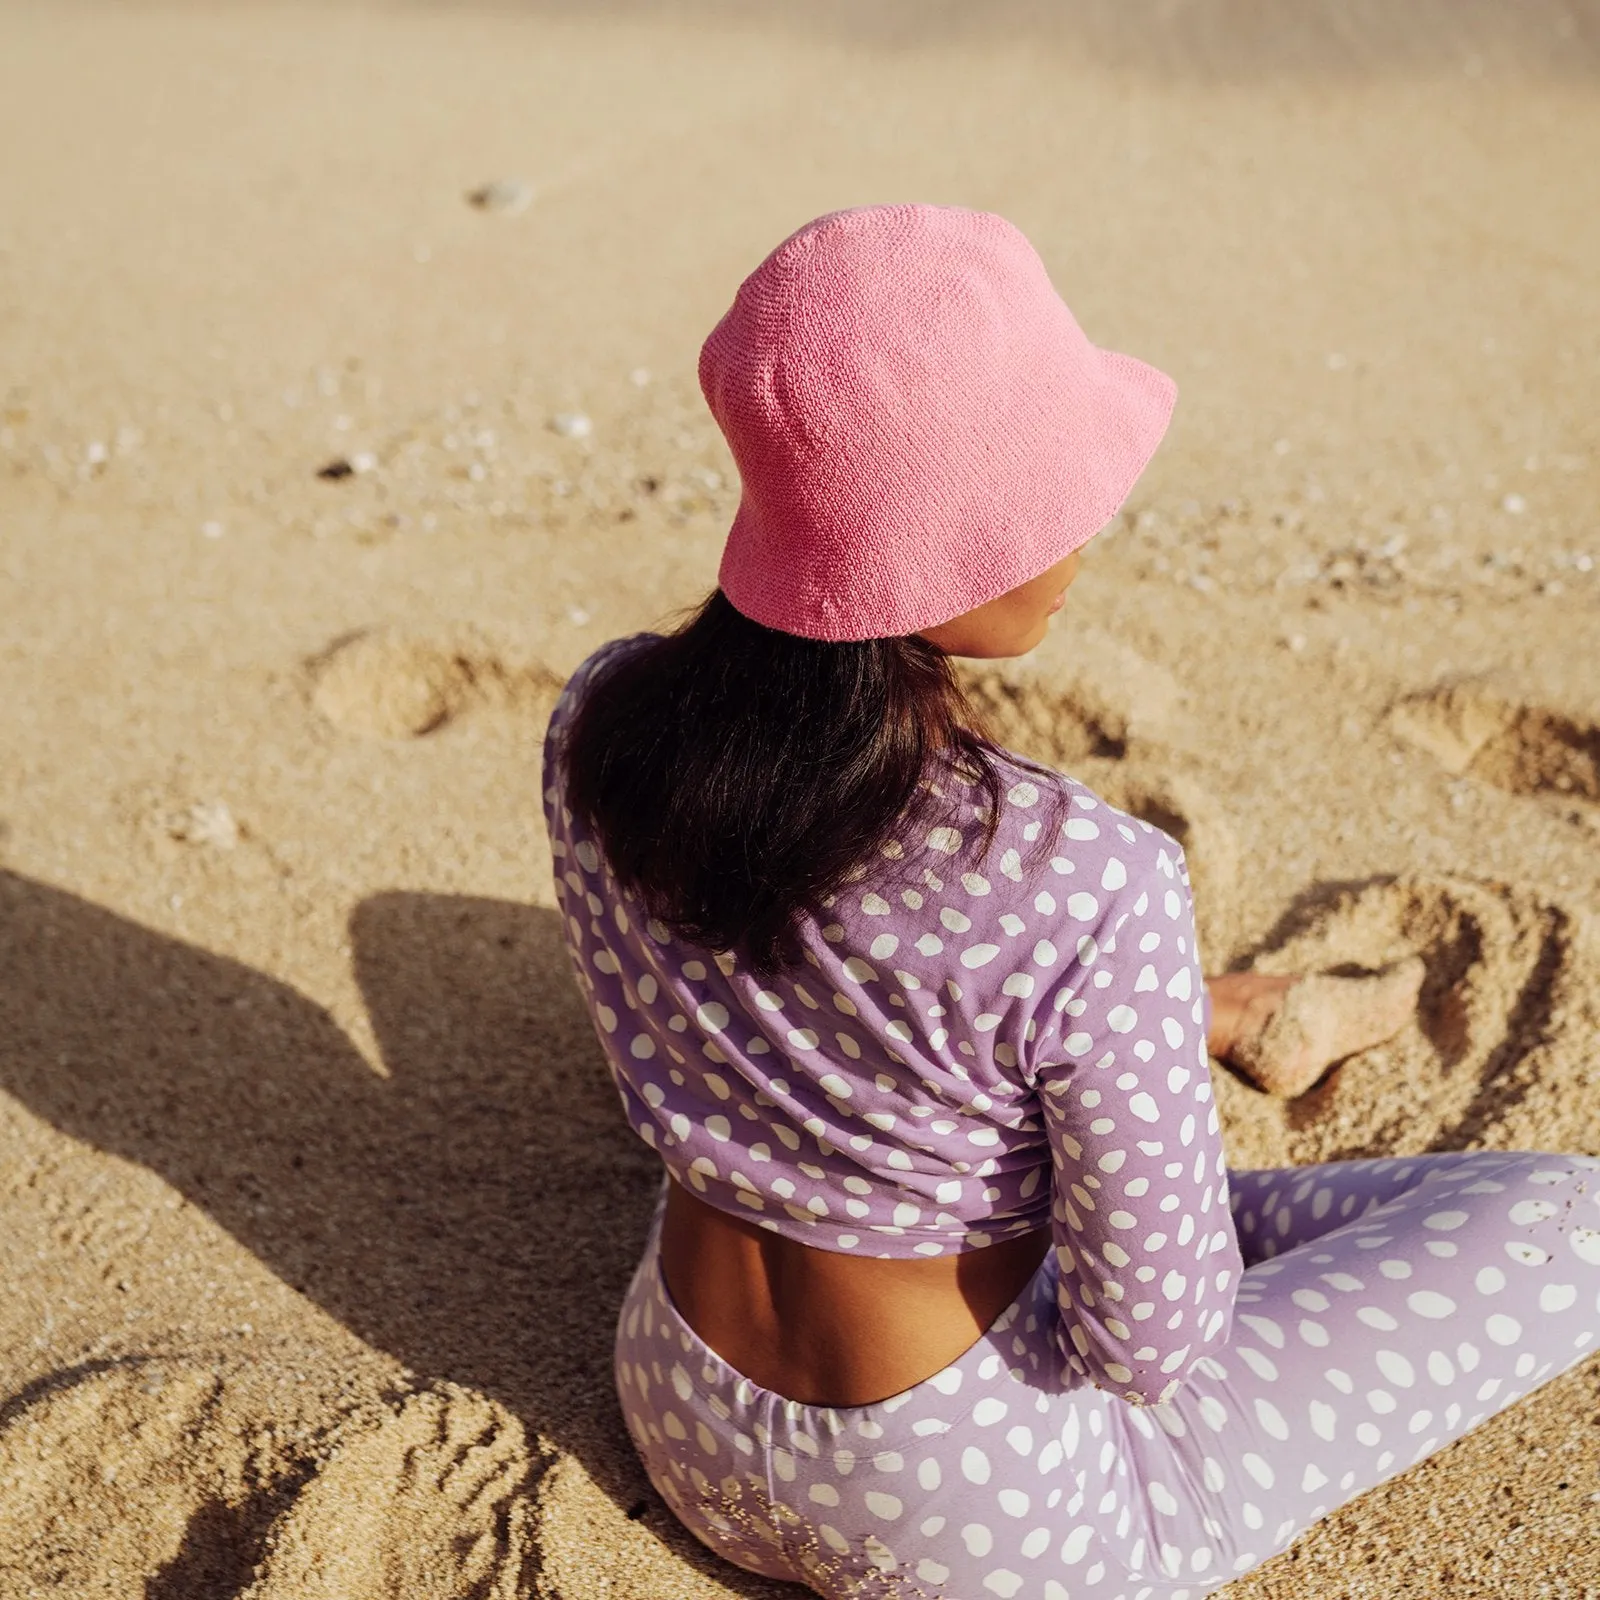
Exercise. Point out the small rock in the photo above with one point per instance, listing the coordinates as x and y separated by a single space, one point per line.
364 461
509 195
206 822
96 454
211 530
1515 504
336 469
577 616
1296 642
572 425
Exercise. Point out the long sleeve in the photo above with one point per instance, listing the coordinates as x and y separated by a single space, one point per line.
1149 1260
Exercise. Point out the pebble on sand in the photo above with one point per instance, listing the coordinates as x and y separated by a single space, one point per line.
509 195
572 425
348 466
206 822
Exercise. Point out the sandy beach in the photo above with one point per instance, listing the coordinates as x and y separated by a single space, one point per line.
347 401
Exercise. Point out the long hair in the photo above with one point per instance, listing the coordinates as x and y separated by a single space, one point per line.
737 777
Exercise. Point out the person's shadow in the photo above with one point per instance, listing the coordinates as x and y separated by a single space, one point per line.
476 1213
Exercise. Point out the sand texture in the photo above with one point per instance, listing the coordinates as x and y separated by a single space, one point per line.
347 401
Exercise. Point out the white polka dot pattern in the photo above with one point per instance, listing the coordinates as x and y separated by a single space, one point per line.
974 1047
1008 1473
944 1051
1148 1266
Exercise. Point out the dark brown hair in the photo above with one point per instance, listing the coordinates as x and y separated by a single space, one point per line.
737 777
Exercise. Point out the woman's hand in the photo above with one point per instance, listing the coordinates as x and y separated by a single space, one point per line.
1284 1032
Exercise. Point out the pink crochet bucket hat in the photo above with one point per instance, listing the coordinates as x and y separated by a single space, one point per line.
918 421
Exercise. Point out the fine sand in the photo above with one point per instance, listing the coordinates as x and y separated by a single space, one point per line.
315 1204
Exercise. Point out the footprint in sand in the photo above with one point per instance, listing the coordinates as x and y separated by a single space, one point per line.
1528 750
1501 1051
1104 721
436 1502
167 1478
91 1501
388 685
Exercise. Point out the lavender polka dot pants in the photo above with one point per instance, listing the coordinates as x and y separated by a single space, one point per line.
1387 1307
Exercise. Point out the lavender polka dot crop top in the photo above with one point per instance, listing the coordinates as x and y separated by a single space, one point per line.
971 1050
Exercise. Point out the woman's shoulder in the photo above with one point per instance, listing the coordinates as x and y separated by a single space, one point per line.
612 650
1039 801
1062 861
603 656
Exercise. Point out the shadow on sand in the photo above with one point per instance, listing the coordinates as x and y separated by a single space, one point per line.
475 1214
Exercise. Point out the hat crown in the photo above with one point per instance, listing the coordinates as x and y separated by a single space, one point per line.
918 422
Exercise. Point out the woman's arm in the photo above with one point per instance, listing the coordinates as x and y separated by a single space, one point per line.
1149 1261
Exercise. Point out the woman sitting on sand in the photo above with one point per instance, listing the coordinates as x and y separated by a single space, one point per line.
951 1292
